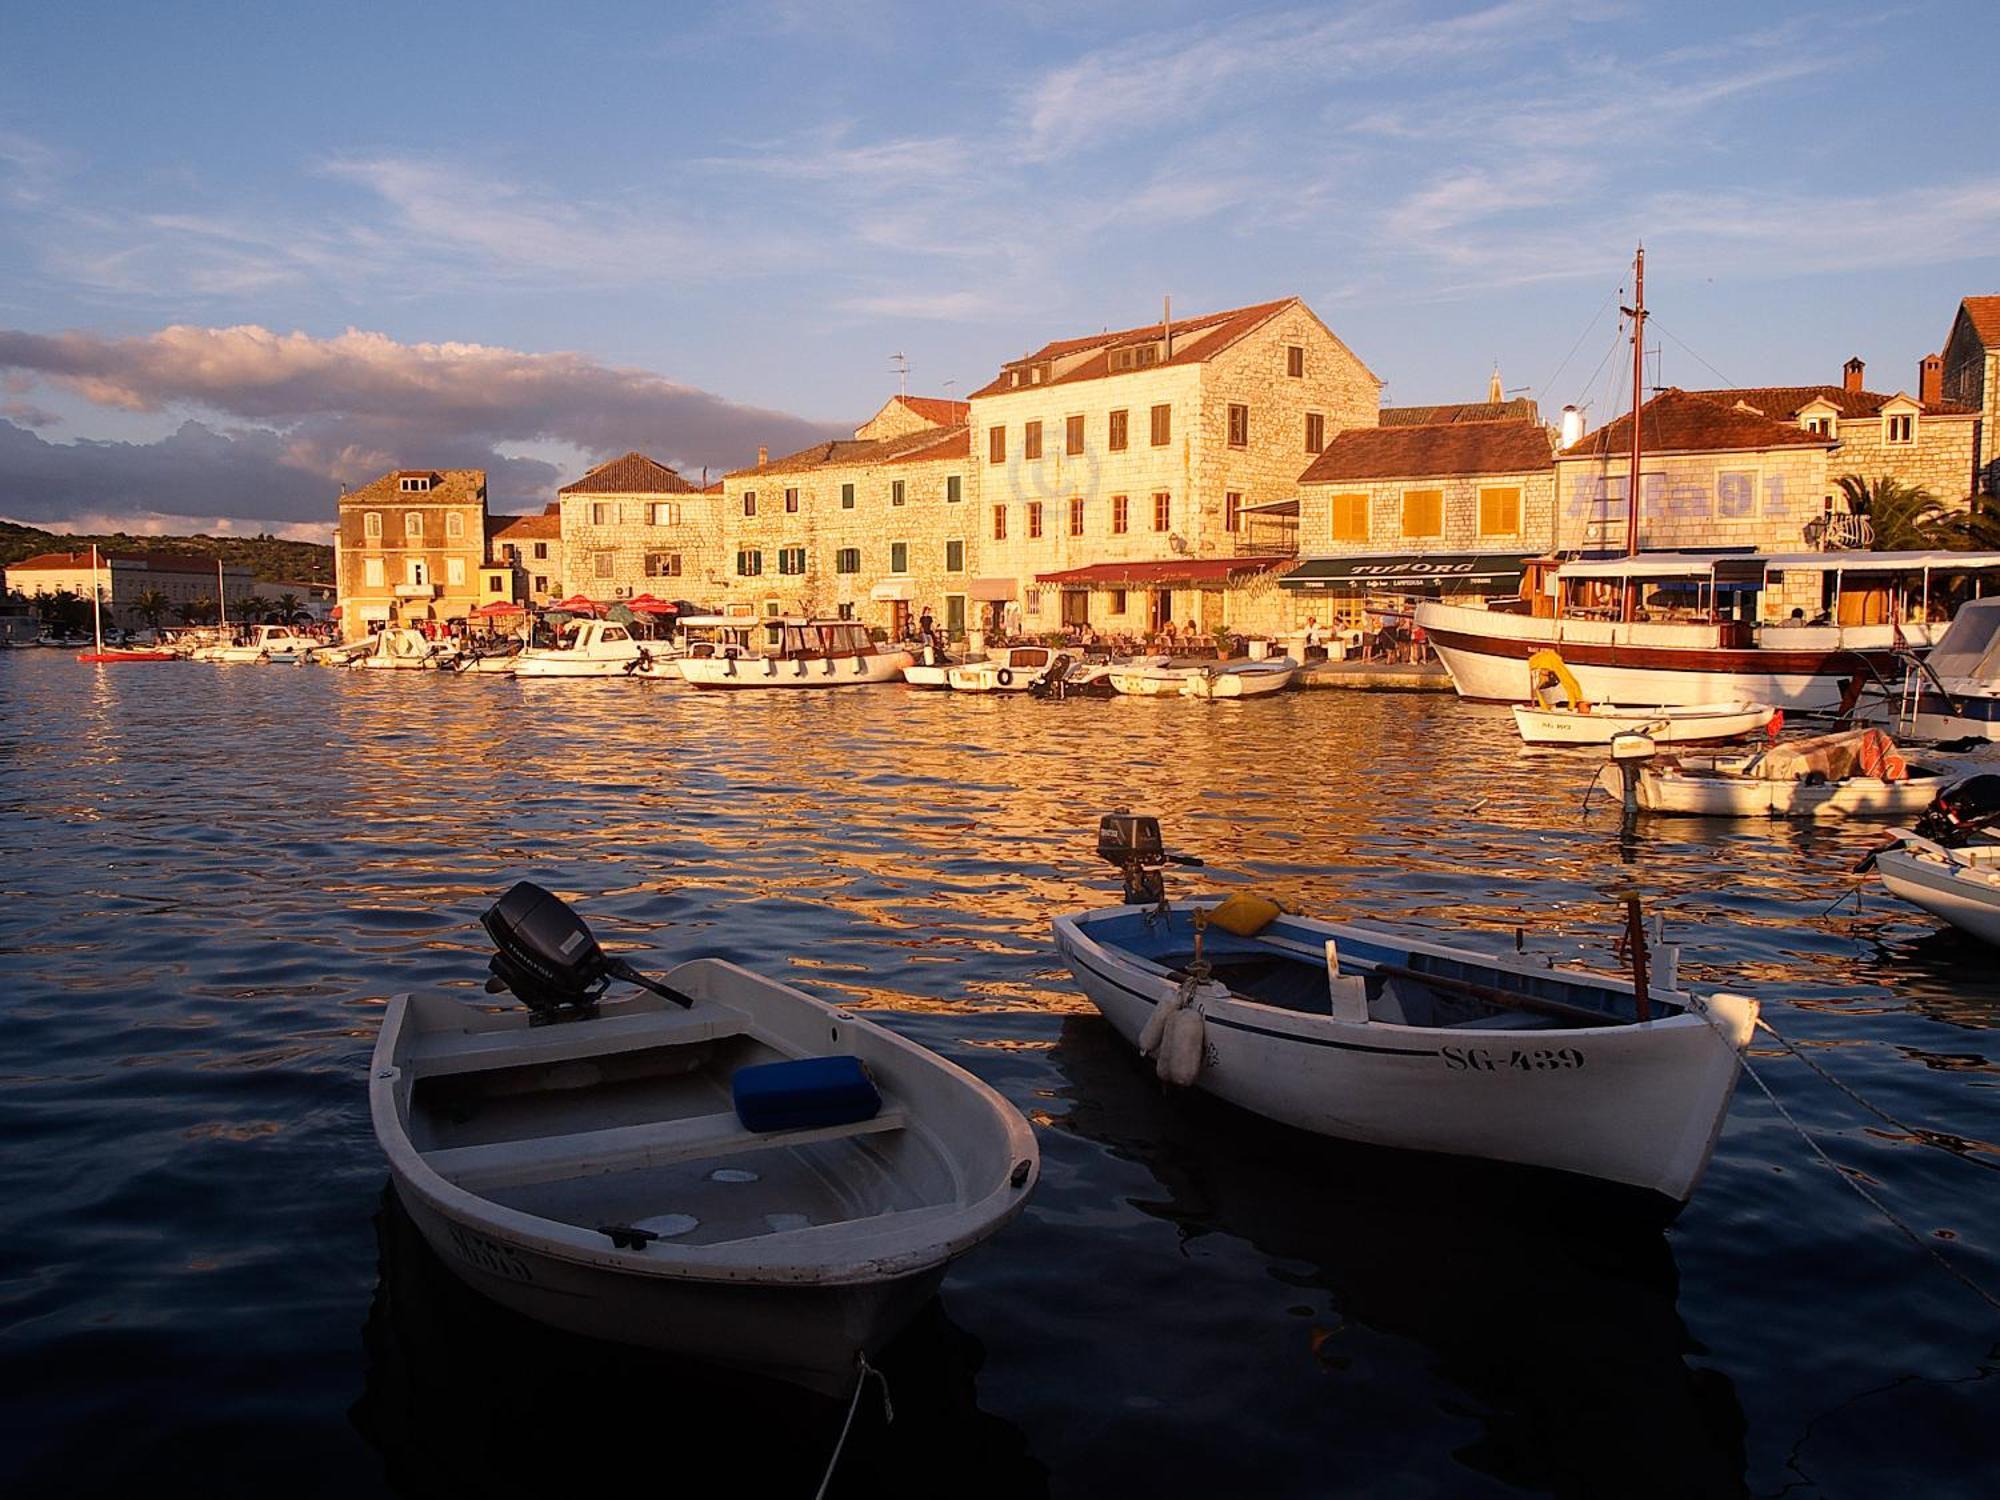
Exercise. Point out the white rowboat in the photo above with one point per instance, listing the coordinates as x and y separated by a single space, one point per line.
1597 725
1245 679
1961 886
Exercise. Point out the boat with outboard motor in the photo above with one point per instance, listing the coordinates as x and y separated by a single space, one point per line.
717 1165
1011 669
399 648
1847 774
1241 679
1155 677
1949 862
1954 692
588 648
1573 719
266 643
932 667
1395 1038
810 653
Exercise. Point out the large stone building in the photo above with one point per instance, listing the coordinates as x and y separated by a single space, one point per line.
121 579
633 526
408 548
874 528
533 547
1116 471
1969 372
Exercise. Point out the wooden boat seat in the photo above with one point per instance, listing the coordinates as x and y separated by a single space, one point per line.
439 1056
629 1148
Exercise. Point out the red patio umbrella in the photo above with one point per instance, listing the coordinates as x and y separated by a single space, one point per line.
497 608
646 604
576 604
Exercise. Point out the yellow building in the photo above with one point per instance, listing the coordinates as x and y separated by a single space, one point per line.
1109 465
408 549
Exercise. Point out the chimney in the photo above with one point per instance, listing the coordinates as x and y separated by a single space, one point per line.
1167 326
1494 395
1851 373
763 455
1572 427
1930 379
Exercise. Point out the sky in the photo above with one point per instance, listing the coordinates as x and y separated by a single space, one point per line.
251 252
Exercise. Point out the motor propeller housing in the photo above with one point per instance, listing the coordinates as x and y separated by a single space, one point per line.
547 957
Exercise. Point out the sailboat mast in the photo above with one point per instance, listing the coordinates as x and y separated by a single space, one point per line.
96 608
221 599
1637 312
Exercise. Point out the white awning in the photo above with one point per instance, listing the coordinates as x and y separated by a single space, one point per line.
893 589
992 590
1880 562
1652 565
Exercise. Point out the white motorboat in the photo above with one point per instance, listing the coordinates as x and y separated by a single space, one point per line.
758 1179
1392 1039
1852 774
489 658
266 643
401 649
1011 669
810 654
1242 679
1949 863
1955 693
1157 678
586 648
1568 717
932 668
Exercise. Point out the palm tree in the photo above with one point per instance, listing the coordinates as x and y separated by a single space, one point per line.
288 607
202 610
1904 517
250 608
151 607
1974 529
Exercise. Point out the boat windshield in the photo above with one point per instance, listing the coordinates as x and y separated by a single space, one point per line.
1970 649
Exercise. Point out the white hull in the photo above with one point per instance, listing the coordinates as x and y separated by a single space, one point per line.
1663 789
917 675
784 1253
796 672
1635 1104
528 664
1250 682
1691 724
1152 682
1961 886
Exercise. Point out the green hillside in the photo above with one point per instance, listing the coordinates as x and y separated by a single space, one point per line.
267 557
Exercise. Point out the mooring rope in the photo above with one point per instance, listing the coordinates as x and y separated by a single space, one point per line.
1870 1199
840 1445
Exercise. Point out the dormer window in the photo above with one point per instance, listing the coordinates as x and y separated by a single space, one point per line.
415 484
1820 425
1900 428
1135 357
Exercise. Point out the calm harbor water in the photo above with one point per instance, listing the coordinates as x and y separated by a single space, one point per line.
211 878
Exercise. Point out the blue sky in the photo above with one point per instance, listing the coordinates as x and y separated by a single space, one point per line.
249 251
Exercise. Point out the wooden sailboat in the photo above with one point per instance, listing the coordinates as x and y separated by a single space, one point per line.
97 653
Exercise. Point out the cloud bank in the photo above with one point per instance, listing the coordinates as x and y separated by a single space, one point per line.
277 422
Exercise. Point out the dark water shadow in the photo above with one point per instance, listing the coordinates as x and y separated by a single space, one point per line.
1547 1308
464 1397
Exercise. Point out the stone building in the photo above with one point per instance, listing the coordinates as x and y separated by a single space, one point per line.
633 526
408 548
1969 372
533 547
1448 508
1109 464
1923 440
1714 475
874 528
121 579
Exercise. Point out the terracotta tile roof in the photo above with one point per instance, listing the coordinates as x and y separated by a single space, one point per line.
631 474
1678 421
1440 451
448 487
1984 315
525 528
940 412
1785 402
152 562
1520 408
838 453
1195 339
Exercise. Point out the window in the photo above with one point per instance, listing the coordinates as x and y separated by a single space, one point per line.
414 485
847 560
454 525
1121 515
663 565
1349 514
1901 428
896 492
413 524
791 502
1163 426
1295 360
996 445
371 523
1117 605
664 513
954 557
510 554
1163 510
1034 518
454 571
899 557
954 614
1821 425
603 564
1239 426
541 583
1031 601
1232 511
1315 432
1423 512
1121 423
1073 435
603 513
1500 511
415 571
1031 440
371 572
749 502
999 523
791 560
847 497
496 585
954 488
1076 515
749 563
541 552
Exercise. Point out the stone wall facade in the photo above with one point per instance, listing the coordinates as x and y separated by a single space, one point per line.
409 555
1972 375
1756 499
618 546
1460 515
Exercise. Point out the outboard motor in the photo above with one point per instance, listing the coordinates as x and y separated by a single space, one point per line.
1050 683
1958 812
546 956
1133 844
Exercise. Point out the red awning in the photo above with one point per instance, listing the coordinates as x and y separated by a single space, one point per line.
497 608
1176 572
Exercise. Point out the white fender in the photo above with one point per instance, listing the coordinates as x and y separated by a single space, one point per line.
1180 1049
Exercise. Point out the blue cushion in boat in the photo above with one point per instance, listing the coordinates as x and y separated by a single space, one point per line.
804 1094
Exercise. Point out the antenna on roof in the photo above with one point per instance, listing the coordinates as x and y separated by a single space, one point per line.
900 363
1167 325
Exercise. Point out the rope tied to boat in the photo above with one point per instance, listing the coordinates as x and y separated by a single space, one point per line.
847 1425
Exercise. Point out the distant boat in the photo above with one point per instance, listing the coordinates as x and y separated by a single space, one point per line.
1575 720
1156 678
588 648
1949 863
98 655
1852 774
809 654
1244 679
1010 669
401 649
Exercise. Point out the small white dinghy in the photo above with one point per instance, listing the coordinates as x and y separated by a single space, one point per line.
1371 1035
1569 718
1857 773
1948 864
748 1176
1242 679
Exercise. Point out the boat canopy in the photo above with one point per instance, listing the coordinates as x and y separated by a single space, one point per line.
1416 571
1970 648
1881 562
1722 565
